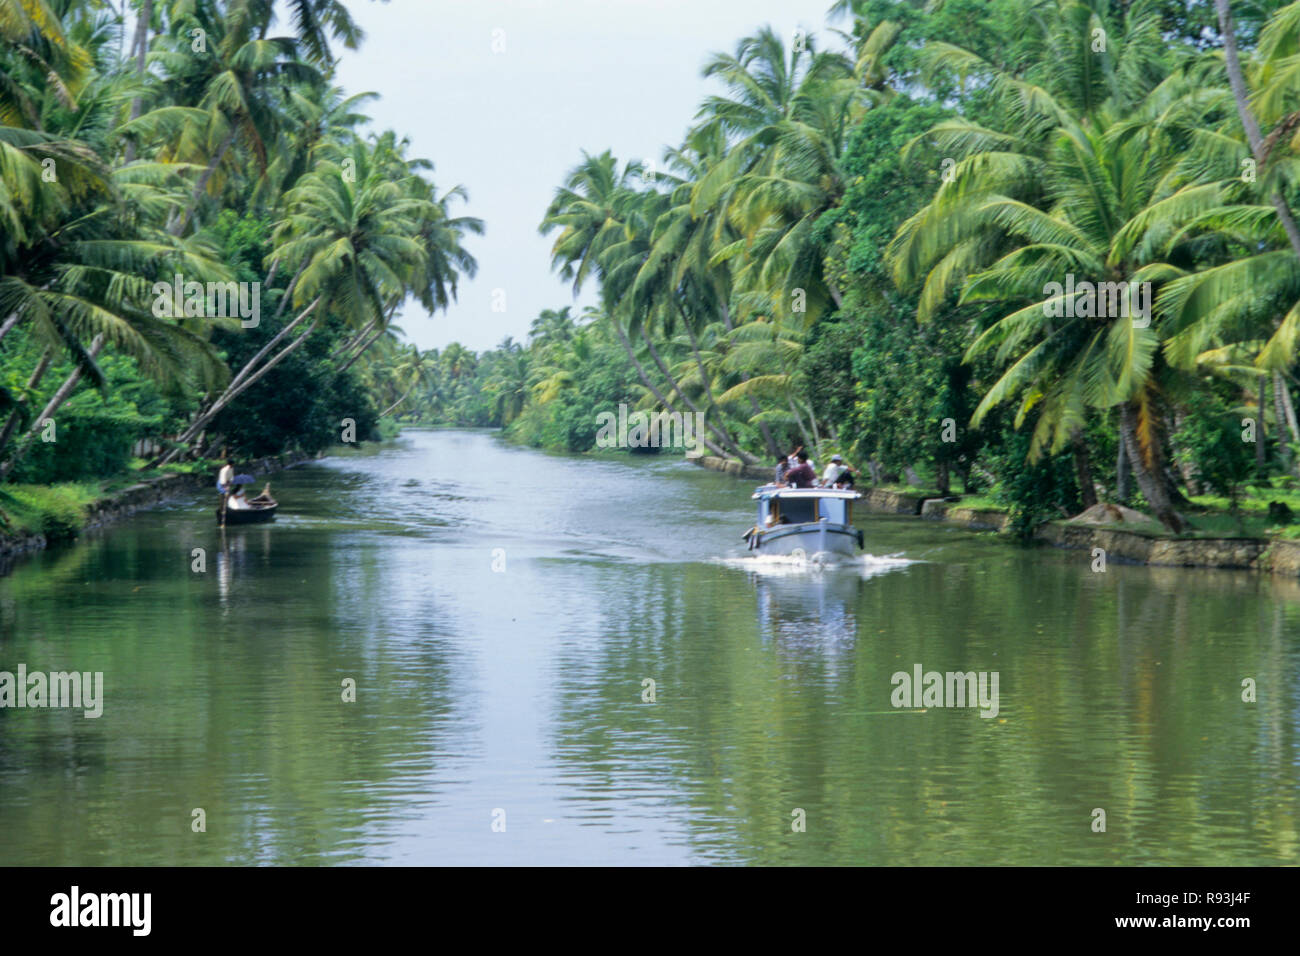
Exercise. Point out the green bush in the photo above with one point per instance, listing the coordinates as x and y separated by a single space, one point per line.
56 511
88 443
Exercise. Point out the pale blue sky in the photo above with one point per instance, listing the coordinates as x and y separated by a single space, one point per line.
575 74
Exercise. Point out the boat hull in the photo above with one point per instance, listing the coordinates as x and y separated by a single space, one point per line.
819 537
248 515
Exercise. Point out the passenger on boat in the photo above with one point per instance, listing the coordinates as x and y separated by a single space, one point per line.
802 474
237 501
782 466
834 471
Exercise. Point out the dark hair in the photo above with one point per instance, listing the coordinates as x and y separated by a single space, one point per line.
802 456
780 459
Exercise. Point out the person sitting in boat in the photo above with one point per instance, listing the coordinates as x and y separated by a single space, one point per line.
237 501
834 471
782 466
802 474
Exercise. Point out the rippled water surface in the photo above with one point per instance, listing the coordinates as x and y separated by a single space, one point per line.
516 695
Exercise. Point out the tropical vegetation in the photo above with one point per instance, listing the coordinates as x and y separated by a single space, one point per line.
1043 247
201 146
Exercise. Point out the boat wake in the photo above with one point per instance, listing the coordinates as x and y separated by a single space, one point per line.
784 565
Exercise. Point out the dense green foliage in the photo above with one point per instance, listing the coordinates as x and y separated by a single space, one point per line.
195 146
869 242
1034 245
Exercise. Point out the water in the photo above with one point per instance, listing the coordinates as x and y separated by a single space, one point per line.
515 695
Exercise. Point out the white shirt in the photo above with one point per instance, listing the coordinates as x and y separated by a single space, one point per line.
833 472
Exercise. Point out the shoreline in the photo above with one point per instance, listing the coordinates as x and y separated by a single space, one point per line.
138 497
1129 547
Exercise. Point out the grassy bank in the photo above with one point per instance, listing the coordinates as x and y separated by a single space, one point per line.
60 511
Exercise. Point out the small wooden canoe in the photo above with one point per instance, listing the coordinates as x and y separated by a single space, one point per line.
254 515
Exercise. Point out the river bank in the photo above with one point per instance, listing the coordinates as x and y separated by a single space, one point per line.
1275 556
125 502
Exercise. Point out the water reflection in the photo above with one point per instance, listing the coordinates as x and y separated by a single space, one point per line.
526 688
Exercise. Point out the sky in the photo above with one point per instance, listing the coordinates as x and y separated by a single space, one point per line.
504 95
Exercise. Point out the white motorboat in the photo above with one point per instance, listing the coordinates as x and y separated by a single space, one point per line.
805 521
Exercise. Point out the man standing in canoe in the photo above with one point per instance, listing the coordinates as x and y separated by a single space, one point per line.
225 482
225 478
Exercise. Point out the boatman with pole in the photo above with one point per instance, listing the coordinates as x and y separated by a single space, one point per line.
225 481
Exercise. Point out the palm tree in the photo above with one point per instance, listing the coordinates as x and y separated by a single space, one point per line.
552 326
354 243
509 380
412 370
1079 179
234 73
598 211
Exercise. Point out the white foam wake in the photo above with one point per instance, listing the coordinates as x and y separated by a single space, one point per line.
785 565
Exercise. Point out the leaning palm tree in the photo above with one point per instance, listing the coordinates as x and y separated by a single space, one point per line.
412 370
352 240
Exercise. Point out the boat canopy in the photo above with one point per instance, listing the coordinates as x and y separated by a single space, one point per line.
782 492
778 504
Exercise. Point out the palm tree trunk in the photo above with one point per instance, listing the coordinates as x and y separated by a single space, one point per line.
242 380
1253 136
1261 437
352 341
1122 472
836 297
1082 468
361 351
1283 425
399 401
38 373
53 405
9 324
232 393
817 436
708 385
1148 470
265 350
645 380
140 47
201 187
357 340
773 448
798 420
1288 407
288 290
721 434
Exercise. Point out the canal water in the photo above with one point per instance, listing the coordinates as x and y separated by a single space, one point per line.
503 613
